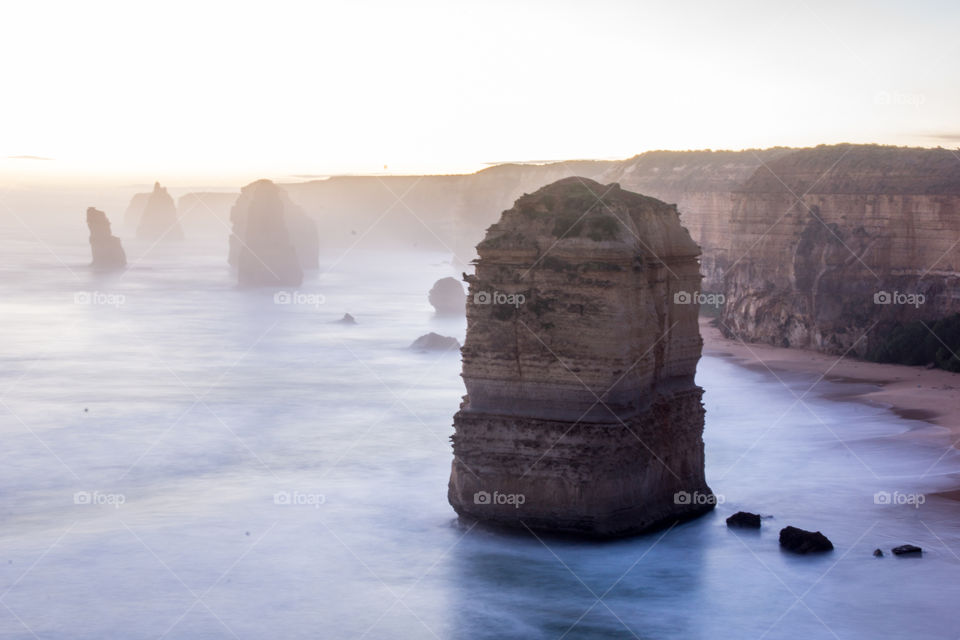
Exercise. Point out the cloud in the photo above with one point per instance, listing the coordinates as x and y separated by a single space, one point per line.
28 158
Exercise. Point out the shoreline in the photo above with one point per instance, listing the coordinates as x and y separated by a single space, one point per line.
913 393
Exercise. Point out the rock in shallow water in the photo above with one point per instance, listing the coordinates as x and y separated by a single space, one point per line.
435 342
744 519
801 541
582 415
906 549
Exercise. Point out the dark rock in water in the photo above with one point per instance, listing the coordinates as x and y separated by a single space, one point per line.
261 248
906 549
159 219
877 553
744 519
435 342
347 319
448 297
801 541
106 248
301 229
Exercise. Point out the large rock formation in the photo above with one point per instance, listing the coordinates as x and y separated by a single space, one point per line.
582 414
107 251
301 229
828 243
447 297
159 220
134 211
261 248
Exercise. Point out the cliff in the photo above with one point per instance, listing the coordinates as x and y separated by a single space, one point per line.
159 220
581 412
107 251
261 248
830 247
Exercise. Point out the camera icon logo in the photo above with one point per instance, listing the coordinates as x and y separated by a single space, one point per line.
682 297
81 497
482 297
881 497
282 297
882 297
481 497
281 497
81 297
681 497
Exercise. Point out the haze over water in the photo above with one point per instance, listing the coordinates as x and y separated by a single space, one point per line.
254 469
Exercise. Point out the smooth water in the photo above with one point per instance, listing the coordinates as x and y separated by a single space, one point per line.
255 470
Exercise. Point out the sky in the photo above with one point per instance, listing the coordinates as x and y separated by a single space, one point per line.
224 93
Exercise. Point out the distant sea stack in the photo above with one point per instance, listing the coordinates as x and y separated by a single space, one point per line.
261 247
448 298
830 242
159 220
582 415
107 251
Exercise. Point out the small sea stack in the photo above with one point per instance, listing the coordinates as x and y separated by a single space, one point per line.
158 219
448 298
261 248
108 254
582 415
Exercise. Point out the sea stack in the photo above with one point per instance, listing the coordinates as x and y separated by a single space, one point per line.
447 297
582 415
261 248
159 220
107 251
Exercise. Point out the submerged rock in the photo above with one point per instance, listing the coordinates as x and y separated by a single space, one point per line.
106 248
801 541
906 549
261 248
347 319
435 342
582 414
877 553
447 297
159 220
744 519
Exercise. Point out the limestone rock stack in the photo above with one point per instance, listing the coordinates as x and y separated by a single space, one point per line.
107 251
261 248
837 243
582 414
447 297
159 220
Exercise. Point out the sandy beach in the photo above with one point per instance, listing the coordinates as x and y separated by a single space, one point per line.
912 392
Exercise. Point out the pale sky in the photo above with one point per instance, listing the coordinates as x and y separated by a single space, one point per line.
228 92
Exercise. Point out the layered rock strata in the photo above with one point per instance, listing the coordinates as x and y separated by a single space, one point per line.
261 248
582 415
831 247
159 220
108 253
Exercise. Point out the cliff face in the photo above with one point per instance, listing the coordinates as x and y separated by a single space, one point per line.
107 251
159 220
828 243
261 248
582 414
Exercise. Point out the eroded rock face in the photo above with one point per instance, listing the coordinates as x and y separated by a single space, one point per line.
828 243
261 248
107 251
448 298
582 415
159 220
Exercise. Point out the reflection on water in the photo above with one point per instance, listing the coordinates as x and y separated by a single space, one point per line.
257 469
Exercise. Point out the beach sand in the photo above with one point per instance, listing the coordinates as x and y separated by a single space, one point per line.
914 393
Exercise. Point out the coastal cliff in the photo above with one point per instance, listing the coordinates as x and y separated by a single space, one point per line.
581 412
831 247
